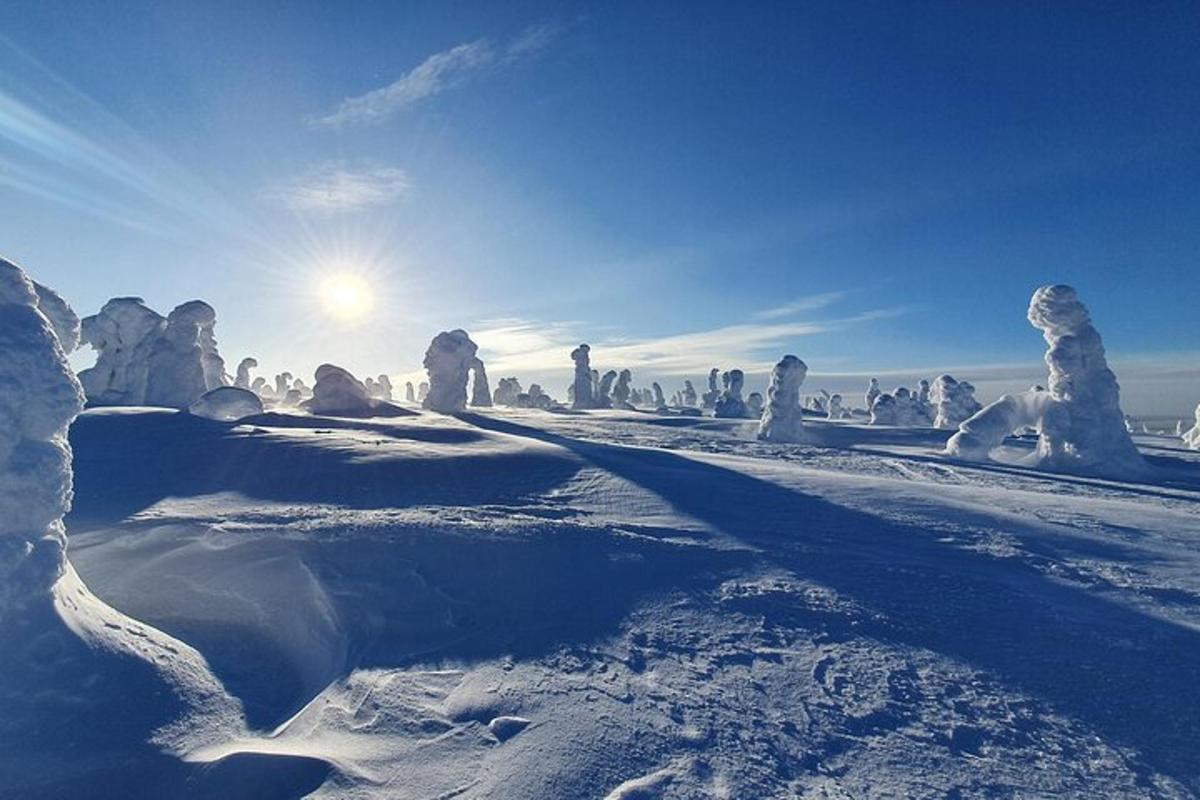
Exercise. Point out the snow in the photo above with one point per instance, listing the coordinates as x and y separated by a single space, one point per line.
481 394
242 379
783 420
448 362
621 392
954 401
617 602
122 334
227 404
507 392
339 393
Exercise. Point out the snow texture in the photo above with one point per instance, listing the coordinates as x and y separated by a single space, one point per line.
730 404
783 421
1079 421
448 362
229 404
582 397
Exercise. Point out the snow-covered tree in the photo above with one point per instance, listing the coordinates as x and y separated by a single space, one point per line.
1078 419
1192 437
338 392
730 404
709 398
448 362
873 392
409 393
603 397
953 401
507 391
620 390
481 393
689 394
242 380
783 421
385 388
176 376
582 396
660 402
754 405
122 333
836 411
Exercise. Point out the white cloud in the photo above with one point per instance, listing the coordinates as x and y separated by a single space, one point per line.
436 74
336 186
516 346
810 303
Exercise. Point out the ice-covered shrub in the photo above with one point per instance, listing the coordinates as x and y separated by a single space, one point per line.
783 421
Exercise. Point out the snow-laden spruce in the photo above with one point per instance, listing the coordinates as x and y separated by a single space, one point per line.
709 398
448 362
39 398
604 395
242 379
481 393
953 401
338 393
1192 437
873 392
581 396
783 421
1078 419
620 392
177 376
730 404
507 391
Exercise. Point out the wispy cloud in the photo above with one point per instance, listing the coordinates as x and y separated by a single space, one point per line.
812 302
514 346
436 74
337 186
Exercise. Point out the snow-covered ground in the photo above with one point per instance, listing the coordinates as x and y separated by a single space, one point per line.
613 604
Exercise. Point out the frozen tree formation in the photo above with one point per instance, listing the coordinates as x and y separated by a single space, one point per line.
422 391
229 404
481 393
176 376
660 402
689 394
1192 437
507 391
385 388
953 401
883 410
836 411
620 392
242 379
448 362
283 382
582 398
39 398
783 421
710 397
214 365
603 399
873 391
338 392
754 405
409 394
730 404
122 333
1078 419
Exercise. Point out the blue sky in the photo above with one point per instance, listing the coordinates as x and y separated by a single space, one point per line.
877 188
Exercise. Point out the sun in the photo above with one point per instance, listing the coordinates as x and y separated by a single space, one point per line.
346 295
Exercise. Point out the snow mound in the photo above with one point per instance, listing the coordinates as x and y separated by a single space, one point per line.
227 404
339 393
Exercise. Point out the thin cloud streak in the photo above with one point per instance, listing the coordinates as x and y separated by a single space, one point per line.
436 74
336 186
813 302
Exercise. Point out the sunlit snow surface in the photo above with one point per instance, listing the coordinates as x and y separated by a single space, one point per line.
519 604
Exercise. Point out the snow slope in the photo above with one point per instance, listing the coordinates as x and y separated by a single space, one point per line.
618 604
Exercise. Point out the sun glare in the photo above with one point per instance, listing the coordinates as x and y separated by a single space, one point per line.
346 295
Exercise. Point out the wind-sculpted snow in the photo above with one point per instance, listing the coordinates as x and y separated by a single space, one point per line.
229 404
1079 421
448 362
582 386
62 317
783 421
730 403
